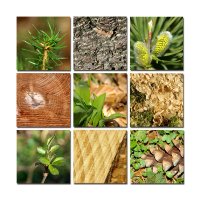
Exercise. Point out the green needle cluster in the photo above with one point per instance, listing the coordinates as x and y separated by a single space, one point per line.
44 48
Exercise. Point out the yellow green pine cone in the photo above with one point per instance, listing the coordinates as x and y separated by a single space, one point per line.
142 55
162 44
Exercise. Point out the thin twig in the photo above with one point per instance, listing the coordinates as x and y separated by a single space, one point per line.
45 56
44 177
149 42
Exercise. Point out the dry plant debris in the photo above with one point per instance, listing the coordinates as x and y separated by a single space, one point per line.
115 87
100 156
100 43
156 100
43 100
157 156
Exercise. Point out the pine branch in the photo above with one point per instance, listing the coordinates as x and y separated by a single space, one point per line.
45 47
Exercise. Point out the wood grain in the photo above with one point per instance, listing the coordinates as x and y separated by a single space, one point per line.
94 155
43 100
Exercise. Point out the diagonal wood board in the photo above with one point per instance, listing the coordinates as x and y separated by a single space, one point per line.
94 154
43 100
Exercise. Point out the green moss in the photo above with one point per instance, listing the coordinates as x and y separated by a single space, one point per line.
141 119
174 122
155 178
179 180
135 94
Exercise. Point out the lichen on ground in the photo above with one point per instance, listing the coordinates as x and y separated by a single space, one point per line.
156 100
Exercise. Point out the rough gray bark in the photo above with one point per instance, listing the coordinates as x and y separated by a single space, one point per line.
100 43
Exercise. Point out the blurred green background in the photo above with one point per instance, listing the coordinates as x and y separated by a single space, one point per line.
27 143
25 24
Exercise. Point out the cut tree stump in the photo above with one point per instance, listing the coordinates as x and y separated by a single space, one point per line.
43 100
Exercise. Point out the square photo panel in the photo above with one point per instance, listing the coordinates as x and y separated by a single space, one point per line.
43 100
100 157
43 43
156 43
157 157
43 157
100 43
156 100
100 100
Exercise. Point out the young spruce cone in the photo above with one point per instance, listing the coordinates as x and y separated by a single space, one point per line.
170 157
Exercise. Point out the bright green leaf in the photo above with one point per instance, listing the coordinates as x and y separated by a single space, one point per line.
136 166
98 102
53 170
54 148
173 135
137 148
169 139
58 161
133 144
131 174
159 168
164 137
142 163
44 161
144 148
94 112
148 170
50 140
131 161
146 140
137 154
144 174
97 118
41 151
181 132
169 174
140 135
83 91
114 116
